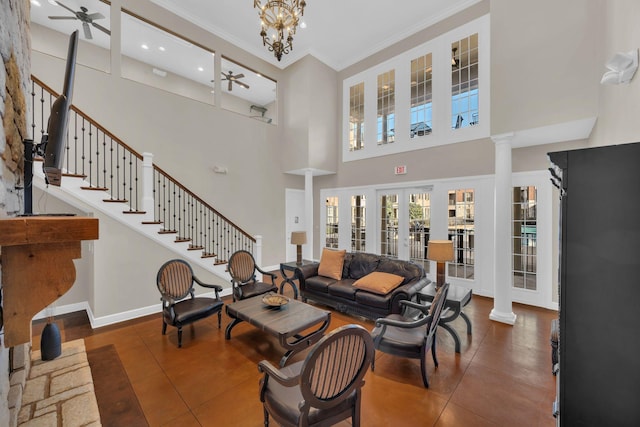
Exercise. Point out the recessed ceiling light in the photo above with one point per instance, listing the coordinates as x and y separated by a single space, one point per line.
161 48
200 69
303 24
145 47
35 3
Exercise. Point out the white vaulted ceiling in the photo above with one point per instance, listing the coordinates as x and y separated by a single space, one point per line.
338 32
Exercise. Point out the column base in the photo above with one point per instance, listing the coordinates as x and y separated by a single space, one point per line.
508 318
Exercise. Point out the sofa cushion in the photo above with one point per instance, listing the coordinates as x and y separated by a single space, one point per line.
362 264
370 299
331 262
343 289
379 282
347 263
319 283
406 269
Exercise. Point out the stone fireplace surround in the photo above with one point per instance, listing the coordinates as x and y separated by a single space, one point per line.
14 76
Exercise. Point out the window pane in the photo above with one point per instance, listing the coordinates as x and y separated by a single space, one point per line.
462 232
386 107
331 207
421 96
419 228
356 117
358 224
389 225
524 237
464 82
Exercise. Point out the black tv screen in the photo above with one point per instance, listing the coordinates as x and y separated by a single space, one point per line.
55 139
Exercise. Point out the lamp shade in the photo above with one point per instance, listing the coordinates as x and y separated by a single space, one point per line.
298 237
440 250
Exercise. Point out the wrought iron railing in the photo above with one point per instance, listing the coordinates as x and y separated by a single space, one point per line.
107 163
194 221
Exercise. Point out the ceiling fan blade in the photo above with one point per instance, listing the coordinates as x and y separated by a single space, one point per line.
66 7
230 88
87 31
96 15
101 28
62 17
238 76
244 85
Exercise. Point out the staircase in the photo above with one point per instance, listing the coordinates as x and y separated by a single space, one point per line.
108 175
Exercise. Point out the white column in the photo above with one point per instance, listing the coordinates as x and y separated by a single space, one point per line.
147 186
502 262
307 250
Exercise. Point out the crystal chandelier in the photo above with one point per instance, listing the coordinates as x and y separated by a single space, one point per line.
279 16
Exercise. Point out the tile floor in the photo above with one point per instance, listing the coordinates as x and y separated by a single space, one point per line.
501 378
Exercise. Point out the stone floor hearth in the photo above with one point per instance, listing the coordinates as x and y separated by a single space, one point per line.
60 392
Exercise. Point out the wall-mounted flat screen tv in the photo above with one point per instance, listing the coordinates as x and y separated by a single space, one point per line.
54 140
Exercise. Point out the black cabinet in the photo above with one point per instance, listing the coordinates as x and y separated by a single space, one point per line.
599 344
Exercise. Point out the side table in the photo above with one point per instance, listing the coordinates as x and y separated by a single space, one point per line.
457 298
292 267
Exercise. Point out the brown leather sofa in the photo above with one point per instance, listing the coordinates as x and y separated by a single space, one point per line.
344 297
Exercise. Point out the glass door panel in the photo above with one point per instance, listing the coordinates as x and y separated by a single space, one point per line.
404 224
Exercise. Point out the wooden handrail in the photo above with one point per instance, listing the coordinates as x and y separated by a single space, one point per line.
88 118
189 230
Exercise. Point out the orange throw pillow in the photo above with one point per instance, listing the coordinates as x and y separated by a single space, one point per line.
331 263
379 282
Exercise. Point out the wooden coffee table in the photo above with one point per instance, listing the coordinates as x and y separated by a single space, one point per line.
285 323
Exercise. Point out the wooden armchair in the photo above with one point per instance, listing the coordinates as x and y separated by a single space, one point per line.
323 389
180 306
242 267
405 336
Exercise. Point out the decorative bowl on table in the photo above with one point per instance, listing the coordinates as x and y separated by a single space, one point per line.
275 300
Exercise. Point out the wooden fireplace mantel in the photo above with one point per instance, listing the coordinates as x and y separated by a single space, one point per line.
37 266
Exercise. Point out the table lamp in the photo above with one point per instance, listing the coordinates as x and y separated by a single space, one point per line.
440 251
299 238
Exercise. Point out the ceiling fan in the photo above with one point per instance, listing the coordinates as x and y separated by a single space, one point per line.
234 79
86 19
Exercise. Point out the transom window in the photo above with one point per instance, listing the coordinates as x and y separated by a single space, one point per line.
386 107
421 96
356 117
427 96
464 82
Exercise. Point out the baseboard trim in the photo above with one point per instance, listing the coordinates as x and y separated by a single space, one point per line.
110 319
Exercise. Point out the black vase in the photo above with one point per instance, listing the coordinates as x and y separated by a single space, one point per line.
50 344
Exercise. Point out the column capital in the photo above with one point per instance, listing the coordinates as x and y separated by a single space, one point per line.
503 138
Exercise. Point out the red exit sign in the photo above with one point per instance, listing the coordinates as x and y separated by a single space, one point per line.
401 170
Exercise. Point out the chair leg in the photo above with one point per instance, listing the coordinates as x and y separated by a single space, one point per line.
219 319
373 362
266 417
180 337
423 368
164 327
355 411
433 352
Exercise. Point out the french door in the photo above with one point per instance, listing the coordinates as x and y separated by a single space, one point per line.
404 223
